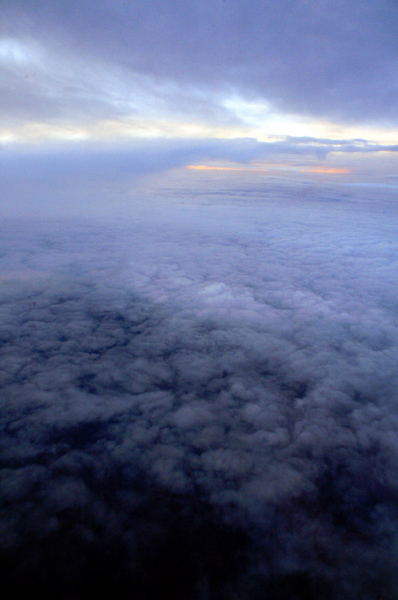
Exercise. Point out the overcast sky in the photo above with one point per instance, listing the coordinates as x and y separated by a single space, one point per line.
114 71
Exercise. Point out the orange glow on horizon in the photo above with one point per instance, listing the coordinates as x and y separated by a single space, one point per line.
209 168
327 170
269 168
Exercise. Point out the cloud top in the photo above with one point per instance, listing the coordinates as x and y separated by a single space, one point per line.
205 390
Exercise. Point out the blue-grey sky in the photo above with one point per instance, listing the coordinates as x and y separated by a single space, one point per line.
107 72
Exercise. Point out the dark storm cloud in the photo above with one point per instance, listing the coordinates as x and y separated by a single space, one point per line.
202 403
328 58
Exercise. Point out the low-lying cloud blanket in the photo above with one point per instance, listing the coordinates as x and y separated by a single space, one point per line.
201 403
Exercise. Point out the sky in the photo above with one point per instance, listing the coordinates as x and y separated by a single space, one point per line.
198 299
293 82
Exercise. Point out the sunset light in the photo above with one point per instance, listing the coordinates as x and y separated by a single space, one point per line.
326 170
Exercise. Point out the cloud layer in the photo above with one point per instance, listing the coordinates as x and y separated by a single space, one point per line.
329 59
201 403
85 178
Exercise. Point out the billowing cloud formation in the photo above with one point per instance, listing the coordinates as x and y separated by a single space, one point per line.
328 58
202 403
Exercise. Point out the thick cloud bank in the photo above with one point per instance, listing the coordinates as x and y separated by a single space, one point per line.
201 404
330 58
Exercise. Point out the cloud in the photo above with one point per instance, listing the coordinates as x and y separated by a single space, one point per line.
85 177
327 59
201 402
